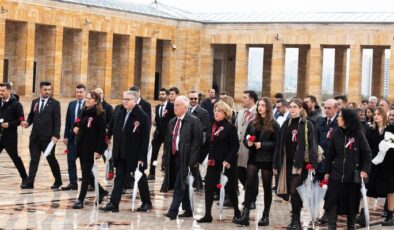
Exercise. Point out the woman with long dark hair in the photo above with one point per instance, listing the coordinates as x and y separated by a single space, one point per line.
297 146
261 138
90 143
348 159
381 180
369 116
223 147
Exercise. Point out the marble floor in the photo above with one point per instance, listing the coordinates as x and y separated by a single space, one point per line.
42 208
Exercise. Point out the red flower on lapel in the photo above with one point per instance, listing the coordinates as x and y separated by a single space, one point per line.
136 125
36 107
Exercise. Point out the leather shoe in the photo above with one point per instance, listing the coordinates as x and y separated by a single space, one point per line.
205 219
151 177
102 195
144 207
70 187
27 185
109 208
186 214
78 204
56 186
171 216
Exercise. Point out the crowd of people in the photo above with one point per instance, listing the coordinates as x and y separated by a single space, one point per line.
276 138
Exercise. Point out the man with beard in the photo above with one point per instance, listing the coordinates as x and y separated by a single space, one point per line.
11 115
45 117
313 109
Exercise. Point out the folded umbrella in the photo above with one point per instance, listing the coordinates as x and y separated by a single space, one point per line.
108 156
149 157
48 150
203 167
96 183
190 180
223 182
137 177
365 201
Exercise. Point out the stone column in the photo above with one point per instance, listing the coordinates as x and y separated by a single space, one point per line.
391 80
109 36
340 71
303 68
2 47
314 79
84 56
148 67
57 78
267 73
241 71
167 72
377 72
131 62
29 58
277 69
355 73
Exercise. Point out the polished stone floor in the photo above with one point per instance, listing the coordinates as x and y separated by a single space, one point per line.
42 208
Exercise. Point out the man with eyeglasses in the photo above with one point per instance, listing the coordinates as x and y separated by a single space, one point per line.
130 129
325 128
196 110
164 113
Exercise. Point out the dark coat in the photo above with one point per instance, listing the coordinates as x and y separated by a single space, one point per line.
223 145
47 123
146 107
190 141
208 106
114 116
70 120
342 161
12 113
268 143
203 117
131 142
91 137
108 111
162 122
322 130
299 160
315 115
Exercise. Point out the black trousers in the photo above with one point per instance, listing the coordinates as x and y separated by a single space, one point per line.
36 147
156 144
87 178
212 179
120 180
10 144
197 177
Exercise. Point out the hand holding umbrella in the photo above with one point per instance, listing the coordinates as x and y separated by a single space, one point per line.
137 177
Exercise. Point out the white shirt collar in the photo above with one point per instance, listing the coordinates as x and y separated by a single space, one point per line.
139 100
183 116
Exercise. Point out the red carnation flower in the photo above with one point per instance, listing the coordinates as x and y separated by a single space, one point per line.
78 120
65 151
219 186
309 167
21 118
110 176
252 138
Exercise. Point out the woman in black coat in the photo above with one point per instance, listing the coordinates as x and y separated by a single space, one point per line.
223 147
381 180
261 150
297 146
90 129
349 157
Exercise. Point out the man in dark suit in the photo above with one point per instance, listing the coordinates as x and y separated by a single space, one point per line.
209 103
164 113
73 111
182 149
11 115
45 117
130 149
145 105
196 110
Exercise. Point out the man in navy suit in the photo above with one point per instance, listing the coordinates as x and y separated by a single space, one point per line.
45 117
73 111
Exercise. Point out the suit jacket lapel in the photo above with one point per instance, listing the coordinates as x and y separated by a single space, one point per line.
46 105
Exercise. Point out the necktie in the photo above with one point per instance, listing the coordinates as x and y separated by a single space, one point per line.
190 110
125 120
247 116
42 105
161 111
328 122
175 134
79 107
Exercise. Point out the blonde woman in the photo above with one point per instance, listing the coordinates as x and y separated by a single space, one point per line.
230 102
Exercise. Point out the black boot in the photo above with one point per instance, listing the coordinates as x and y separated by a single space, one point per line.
324 218
389 221
295 223
264 221
361 218
351 222
332 219
244 219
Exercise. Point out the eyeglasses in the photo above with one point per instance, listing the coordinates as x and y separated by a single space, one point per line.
193 98
127 99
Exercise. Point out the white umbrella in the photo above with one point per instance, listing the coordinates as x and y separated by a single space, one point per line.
386 144
365 200
190 180
96 183
223 182
258 205
108 156
48 150
203 167
137 177
149 157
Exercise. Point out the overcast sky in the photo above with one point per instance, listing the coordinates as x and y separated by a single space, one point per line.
279 5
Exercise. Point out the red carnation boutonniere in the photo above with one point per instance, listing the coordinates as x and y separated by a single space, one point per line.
220 129
78 120
36 107
90 119
165 113
329 133
349 144
308 167
294 138
251 138
219 186
136 125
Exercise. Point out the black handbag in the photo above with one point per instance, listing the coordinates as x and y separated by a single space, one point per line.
356 176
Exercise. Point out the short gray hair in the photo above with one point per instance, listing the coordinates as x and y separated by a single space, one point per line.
373 98
184 100
132 93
